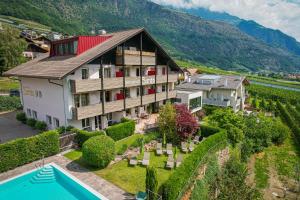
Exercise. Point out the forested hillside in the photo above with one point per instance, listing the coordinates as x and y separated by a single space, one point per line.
185 37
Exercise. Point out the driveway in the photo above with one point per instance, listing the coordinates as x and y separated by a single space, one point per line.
11 129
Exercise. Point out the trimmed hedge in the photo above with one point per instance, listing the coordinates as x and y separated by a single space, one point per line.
98 151
179 179
207 130
121 130
31 122
25 150
21 116
9 103
82 135
40 125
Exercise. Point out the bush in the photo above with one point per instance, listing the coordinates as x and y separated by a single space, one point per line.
122 150
178 181
121 130
9 103
82 135
21 116
98 151
208 130
31 122
40 125
62 129
25 150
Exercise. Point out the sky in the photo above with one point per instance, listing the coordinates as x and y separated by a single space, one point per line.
276 14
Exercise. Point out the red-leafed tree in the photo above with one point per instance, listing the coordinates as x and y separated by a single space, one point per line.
186 123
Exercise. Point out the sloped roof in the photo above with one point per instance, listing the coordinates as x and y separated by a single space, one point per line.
59 66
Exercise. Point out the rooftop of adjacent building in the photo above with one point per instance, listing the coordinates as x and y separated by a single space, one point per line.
208 82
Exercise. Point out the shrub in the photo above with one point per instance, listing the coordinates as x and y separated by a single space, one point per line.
151 183
121 130
122 150
62 129
21 116
31 122
82 135
208 130
40 125
179 179
98 151
25 150
9 103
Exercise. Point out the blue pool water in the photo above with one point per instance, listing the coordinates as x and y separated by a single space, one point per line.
47 183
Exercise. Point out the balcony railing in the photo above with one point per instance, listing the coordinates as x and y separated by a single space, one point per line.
86 111
216 102
132 57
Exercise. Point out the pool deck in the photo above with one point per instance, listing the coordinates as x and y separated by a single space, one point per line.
102 186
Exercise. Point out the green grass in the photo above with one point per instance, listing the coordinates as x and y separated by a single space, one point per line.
7 84
261 172
130 179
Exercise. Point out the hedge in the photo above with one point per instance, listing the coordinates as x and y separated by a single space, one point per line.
207 130
82 135
25 150
21 116
9 103
121 130
179 179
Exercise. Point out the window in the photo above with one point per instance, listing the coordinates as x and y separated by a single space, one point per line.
84 73
36 93
107 73
85 123
128 112
109 116
137 72
28 112
34 114
48 120
56 122
195 103
98 122
138 91
127 72
163 88
163 71
40 94
77 100
127 93
84 99
75 46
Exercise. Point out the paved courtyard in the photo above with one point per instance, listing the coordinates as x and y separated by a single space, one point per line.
11 129
104 187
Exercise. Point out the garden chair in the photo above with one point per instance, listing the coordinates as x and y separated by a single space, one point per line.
179 160
170 162
191 147
159 149
169 149
196 139
184 147
133 161
146 159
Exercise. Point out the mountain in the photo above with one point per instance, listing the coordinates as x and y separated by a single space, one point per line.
272 37
184 36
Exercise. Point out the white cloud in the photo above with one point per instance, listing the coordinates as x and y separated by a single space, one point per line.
277 14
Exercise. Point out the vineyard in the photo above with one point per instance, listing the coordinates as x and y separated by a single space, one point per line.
275 94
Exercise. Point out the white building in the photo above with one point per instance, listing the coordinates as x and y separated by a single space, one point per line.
217 90
90 82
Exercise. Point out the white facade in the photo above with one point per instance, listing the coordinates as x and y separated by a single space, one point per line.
186 97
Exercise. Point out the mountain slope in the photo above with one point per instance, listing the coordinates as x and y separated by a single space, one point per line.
183 35
272 37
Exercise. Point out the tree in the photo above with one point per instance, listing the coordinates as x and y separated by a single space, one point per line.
151 183
222 117
234 134
263 104
11 49
186 123
167 121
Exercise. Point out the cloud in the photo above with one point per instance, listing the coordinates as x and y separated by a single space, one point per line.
277 14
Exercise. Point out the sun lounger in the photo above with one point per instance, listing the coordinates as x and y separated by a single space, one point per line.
133 161
159 149
196 139
169 149
191 147
170 162
184 147
146 159
179 160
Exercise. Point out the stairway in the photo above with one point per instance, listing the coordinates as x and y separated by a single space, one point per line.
45 175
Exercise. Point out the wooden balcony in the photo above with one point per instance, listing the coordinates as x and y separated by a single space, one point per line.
86 111
133 58
133 102
114 106
150 98
85 85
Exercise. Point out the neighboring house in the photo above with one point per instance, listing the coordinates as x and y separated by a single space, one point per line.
36 47
217 90
90 82
189 72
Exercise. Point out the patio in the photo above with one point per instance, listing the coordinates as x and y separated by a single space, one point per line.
149 121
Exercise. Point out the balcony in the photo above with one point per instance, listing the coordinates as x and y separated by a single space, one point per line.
85 85
150 98
224 103
86 111
114 106
132 57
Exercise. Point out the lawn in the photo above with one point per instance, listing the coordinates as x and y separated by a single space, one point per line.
7 84
130 179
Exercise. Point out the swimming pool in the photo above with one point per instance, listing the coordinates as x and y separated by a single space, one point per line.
47 183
